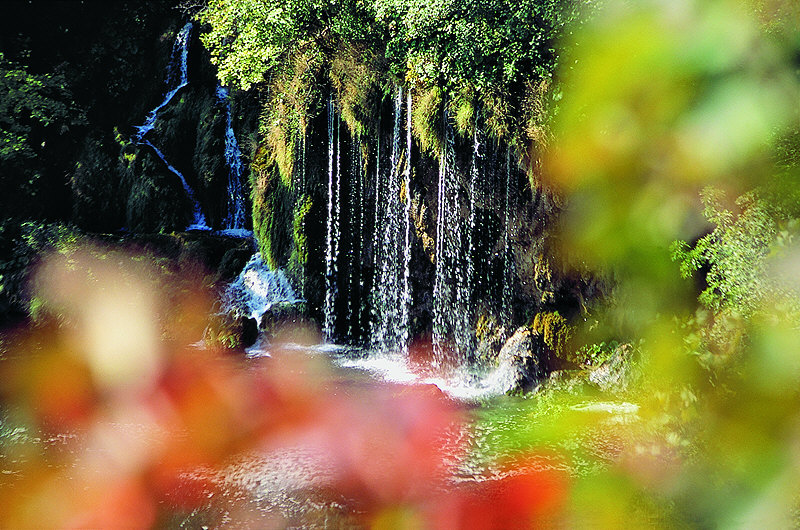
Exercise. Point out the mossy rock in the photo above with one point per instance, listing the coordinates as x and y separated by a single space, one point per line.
556 334
285 320
156 201
490 336
232 263
230 331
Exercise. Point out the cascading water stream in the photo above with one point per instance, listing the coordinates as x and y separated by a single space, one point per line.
198 220
352 238
257 289
236 215
508 255
391 292
177 78
332 238
405 314
451 294
474 180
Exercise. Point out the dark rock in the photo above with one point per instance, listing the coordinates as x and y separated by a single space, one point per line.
283 318
232 263
249 328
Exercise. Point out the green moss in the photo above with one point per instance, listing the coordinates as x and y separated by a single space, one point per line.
497 115
426 118
554 330
462 107
294 94
299 259
272 211
356 76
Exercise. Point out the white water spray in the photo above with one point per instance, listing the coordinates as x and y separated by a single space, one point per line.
452 312
332 239
259 288
390 294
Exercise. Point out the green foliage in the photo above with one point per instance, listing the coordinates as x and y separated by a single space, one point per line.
594 354
356 77
248 38
30 105
37 115
486 54
32 240
462 108
735 254
698 96
294 95
490 44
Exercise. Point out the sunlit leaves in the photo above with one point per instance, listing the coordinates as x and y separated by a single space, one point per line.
28 104
248 39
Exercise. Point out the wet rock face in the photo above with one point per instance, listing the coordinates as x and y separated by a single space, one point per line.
522 360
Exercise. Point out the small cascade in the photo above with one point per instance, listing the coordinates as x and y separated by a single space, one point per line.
352 223
236 215
363 196
380 207
198 219
482 189
177 78
391 295
405 307
474 181
332 238
451 291
508 254
257 289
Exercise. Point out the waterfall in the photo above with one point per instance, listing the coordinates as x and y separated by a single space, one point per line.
451 292
332 238
198 220
257 289
405 314
352 238
177 78
390 294
236 207
474 181
508 255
